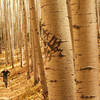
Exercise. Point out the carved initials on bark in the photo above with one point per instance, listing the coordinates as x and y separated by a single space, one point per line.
52 44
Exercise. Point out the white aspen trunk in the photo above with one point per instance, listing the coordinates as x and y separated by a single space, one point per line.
39 55
57 39
9 34
98 15
20 34
88 75
26 40
5 34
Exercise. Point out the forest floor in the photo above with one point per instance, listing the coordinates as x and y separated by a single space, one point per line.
19 88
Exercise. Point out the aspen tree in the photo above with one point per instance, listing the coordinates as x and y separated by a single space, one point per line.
39 55
88 51
33 44
57 40
5 34
26 40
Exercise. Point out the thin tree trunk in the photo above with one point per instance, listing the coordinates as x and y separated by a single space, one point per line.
37 44
26 40
98 15
9 34
20 34
5 34
0 45
12 60
33 45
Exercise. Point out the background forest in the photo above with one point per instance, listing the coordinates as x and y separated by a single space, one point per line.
51 48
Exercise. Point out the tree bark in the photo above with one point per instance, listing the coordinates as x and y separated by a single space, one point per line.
57 40
88 75
26 40
39 55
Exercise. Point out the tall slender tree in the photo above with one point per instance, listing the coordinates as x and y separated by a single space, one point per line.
26 39
5 34
21 36
33 43
37 44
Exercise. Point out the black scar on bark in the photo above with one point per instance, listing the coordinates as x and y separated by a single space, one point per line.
47 68
86 68
87 97
76 26
53 81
